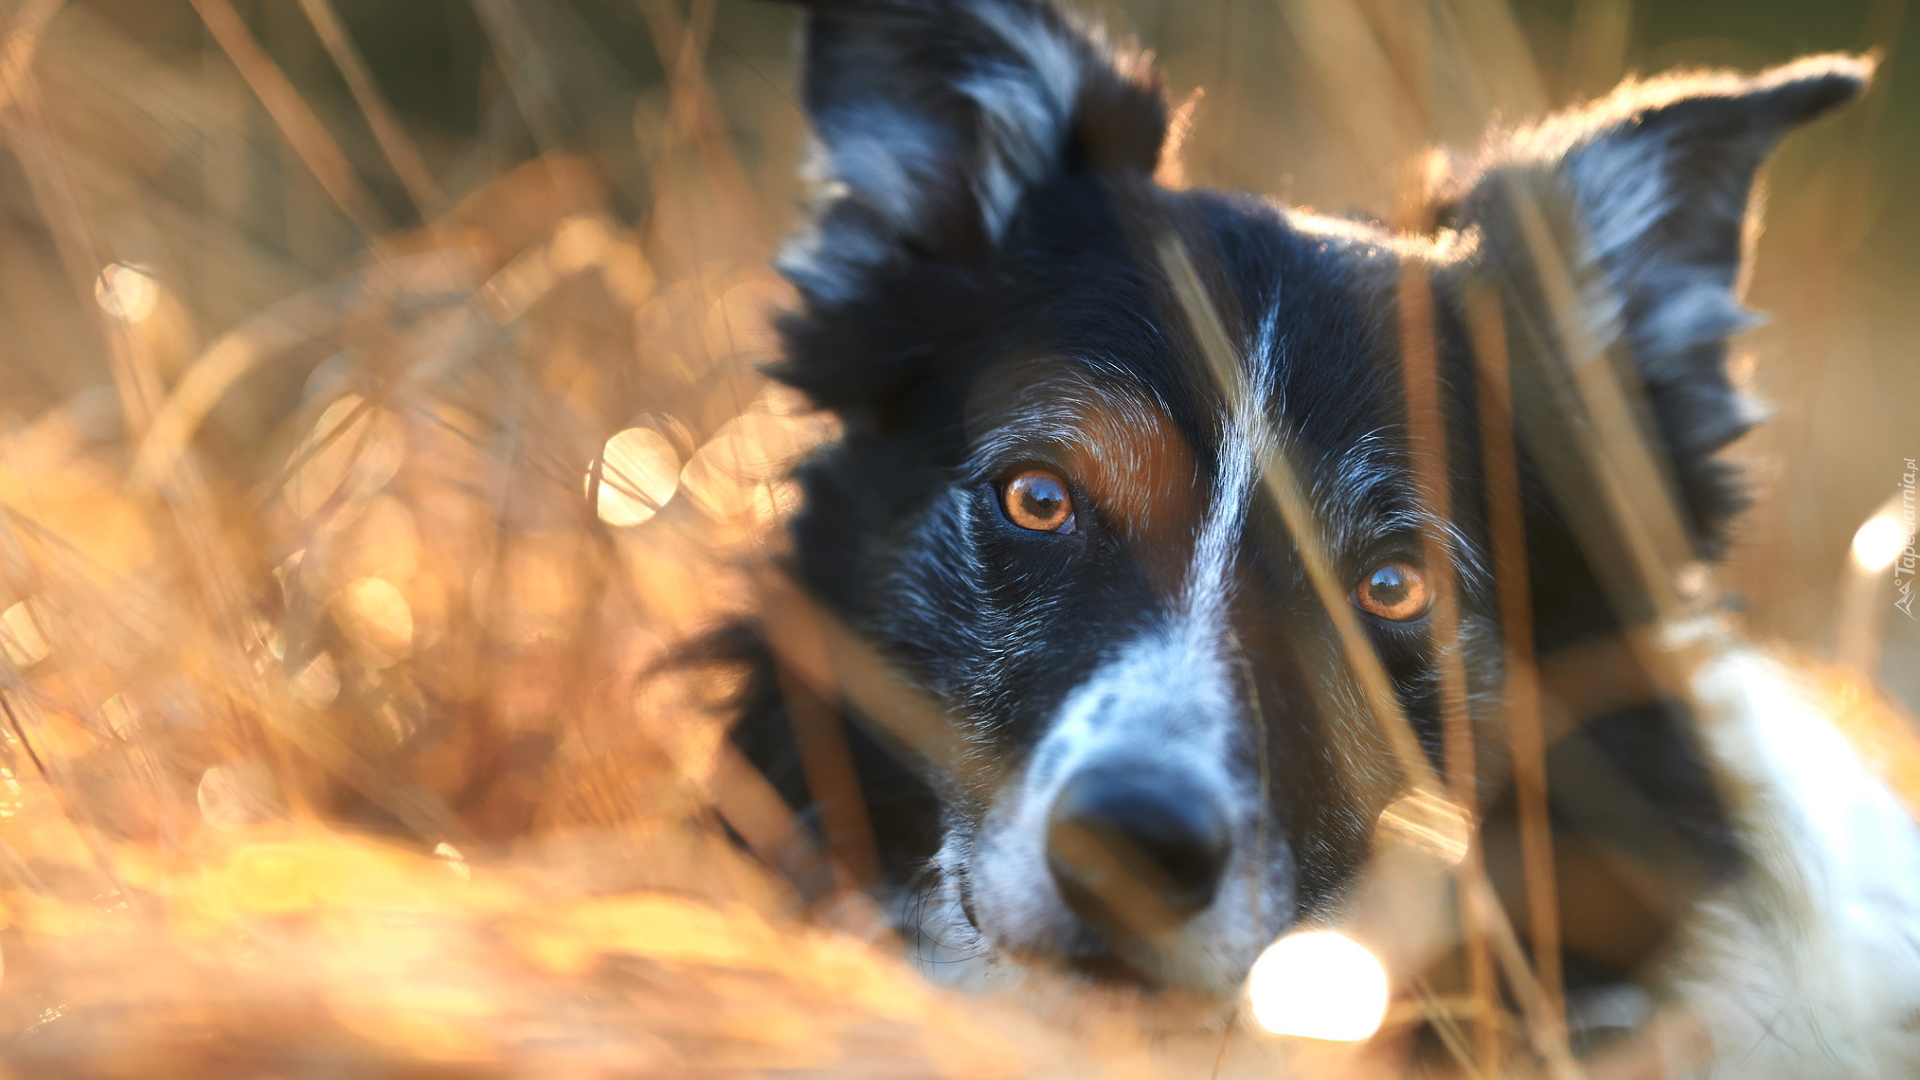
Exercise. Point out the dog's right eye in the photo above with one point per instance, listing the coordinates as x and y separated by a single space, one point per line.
1038 500
1396 592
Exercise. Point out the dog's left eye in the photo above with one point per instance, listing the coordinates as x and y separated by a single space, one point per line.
1396 591
1038 500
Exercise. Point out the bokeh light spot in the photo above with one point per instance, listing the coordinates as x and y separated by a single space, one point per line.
10 794
238 794
1878 542
127 292
20 636
639 472
352 447
121 717
317 684
1318 984
384 542
378 616
454 860
577 244
751 450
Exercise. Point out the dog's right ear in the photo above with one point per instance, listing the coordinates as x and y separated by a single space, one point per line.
1646 196
934 119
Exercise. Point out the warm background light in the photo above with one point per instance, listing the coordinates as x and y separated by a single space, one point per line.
1318 985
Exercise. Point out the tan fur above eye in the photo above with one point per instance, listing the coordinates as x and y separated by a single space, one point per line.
1394 591
1038 500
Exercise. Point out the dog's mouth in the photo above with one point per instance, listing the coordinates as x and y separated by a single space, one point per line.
1102 969
1107 968
1096 963
1090 959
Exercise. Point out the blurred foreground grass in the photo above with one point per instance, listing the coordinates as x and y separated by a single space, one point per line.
378 402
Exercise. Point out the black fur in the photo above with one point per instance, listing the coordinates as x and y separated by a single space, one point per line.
927 292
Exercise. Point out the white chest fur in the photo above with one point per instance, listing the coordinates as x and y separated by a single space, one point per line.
1810 966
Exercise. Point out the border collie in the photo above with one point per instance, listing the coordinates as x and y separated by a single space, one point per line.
1179 534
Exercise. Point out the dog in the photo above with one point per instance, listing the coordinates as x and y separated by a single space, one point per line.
1133 500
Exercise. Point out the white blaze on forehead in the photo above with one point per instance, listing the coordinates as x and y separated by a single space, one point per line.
1185 661
1170 698
1246 440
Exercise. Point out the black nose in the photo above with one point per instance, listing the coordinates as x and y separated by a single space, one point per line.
1136 848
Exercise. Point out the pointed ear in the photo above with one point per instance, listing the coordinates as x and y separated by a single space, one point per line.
935 117
1650 192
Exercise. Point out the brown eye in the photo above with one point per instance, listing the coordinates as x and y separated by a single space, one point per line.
1396 591
1038 500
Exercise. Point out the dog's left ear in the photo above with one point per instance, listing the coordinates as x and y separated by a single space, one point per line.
934 119
1650 191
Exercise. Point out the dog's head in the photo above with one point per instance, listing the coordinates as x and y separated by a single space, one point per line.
1066 392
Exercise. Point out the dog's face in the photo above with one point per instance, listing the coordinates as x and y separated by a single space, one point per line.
1056 510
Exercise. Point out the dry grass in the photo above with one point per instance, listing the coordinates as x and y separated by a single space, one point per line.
358 458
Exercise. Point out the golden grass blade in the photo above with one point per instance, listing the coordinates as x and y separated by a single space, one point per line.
1427 438
1526 737
51 178
1575 416
292 322
22 41
296 120
399 149
1597 46
829 659
528 78
681 45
